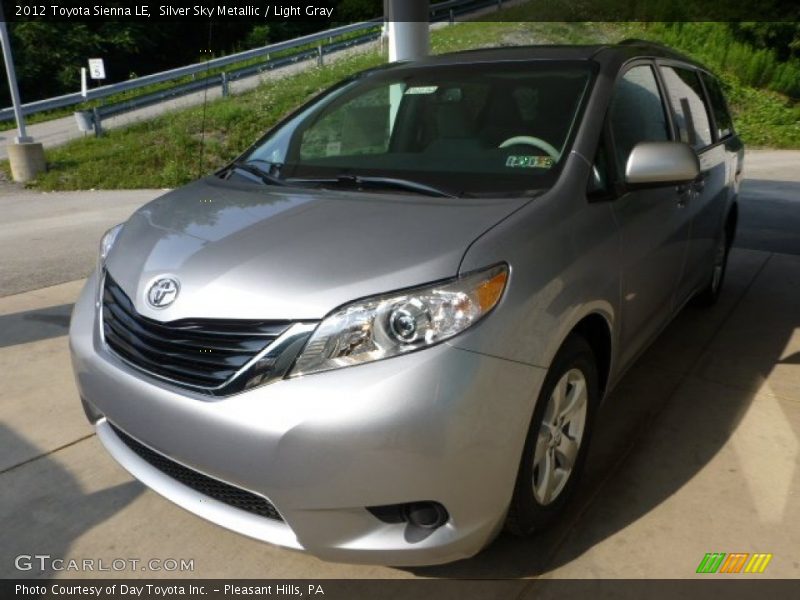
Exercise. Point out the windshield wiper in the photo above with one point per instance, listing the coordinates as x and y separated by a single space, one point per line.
264 176
378 182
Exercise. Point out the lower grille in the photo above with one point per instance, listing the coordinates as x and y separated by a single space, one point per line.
208 486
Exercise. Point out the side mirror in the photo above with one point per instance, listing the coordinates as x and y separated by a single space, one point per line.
661 163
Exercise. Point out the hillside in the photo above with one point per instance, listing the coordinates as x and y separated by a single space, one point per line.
165 152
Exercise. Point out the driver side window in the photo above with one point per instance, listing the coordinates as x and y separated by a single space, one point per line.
636 113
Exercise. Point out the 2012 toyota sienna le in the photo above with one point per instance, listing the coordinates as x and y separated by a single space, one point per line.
382 334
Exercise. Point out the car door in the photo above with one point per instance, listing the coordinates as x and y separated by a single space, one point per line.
707 202
653 221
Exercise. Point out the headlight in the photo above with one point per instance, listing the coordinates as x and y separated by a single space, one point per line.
402 322
107 242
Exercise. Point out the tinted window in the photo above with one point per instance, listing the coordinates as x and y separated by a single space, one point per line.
686 97
493 128
719 108
637 113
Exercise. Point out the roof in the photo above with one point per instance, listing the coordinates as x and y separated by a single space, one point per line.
609 53
513 53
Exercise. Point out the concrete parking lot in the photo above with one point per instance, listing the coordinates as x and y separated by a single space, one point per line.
696 451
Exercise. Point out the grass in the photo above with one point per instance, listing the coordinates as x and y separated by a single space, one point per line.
763 117
713 44
165 152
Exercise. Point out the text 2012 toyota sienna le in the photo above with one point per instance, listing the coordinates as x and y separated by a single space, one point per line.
381 334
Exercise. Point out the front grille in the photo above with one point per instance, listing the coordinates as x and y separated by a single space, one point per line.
208 486
203 354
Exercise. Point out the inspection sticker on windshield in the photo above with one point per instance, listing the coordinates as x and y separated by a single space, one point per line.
422 89
529 162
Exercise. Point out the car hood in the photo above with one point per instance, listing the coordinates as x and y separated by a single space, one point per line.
253 252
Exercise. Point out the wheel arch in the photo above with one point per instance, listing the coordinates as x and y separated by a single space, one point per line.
731 222
596 330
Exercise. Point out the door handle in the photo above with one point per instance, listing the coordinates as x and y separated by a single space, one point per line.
700 182
685 192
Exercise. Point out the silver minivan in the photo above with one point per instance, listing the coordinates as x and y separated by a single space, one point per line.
382 333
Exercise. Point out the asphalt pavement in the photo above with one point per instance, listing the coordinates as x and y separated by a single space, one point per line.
770 207
50 238
696 451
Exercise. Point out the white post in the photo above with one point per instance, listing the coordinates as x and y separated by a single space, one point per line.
22 138
408 29
83 82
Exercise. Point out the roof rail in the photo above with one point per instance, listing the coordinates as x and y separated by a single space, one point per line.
663 47
640 41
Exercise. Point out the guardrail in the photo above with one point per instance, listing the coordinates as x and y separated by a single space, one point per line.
441 11
195 69
451 9
92 120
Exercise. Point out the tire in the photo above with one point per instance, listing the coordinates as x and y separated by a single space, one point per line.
532 509
709 295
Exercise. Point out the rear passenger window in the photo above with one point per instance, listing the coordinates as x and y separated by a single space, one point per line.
719 108
636 113
686 97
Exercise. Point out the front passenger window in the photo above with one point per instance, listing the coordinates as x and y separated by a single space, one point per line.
636 113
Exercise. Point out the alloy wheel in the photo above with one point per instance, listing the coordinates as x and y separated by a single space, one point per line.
560 435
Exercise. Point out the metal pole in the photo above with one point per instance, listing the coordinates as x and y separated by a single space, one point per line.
225 84
97 122
409 25
22 138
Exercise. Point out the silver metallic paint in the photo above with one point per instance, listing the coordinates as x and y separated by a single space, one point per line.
325 446
445 424
661 162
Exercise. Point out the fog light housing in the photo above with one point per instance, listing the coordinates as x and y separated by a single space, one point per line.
426 514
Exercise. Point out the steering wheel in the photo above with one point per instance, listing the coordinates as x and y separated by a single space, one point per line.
532 141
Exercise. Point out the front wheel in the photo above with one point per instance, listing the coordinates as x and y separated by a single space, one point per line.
557 441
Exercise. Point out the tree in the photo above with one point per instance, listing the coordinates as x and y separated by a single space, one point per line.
782 37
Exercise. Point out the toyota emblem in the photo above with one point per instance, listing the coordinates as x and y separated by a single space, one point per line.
163 292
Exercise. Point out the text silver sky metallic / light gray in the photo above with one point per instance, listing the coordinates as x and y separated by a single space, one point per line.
381 335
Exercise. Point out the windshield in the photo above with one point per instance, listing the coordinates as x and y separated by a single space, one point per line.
469 129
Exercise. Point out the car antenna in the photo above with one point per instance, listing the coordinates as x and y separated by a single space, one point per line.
207 52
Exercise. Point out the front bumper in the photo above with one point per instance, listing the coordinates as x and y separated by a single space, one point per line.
443 425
